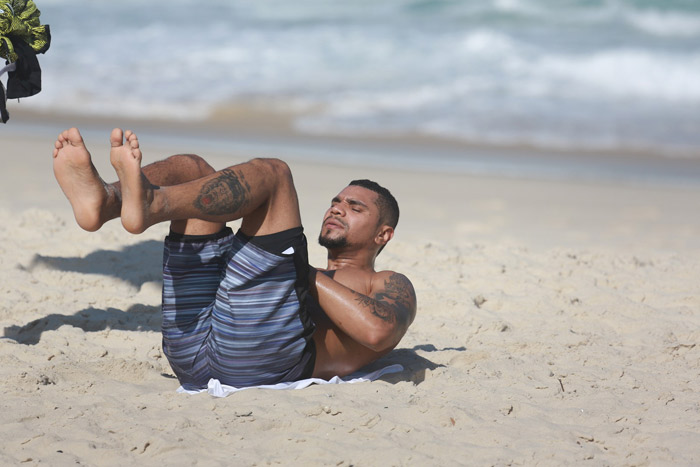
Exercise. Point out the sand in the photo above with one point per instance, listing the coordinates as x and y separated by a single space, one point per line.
558 323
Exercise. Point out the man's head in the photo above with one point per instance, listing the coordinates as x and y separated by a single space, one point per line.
363 215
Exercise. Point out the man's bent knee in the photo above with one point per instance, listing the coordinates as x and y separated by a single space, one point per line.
275 166
279 173
190 167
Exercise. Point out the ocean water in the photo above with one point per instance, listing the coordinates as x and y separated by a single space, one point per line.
605 75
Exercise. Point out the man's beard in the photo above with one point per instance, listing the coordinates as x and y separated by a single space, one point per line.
332 243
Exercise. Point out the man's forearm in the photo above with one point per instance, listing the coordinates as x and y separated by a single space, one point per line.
354 313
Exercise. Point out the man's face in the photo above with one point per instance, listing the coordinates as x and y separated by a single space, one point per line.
352 219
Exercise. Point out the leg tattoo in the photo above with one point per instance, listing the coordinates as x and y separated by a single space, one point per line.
227 193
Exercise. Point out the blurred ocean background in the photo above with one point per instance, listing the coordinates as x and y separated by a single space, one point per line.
602 75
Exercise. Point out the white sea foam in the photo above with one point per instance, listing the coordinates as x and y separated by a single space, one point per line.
668 24
627 73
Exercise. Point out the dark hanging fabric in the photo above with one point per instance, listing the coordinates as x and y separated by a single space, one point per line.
25 81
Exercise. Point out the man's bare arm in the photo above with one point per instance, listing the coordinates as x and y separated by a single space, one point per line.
377 320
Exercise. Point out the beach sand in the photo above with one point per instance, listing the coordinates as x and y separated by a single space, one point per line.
558 323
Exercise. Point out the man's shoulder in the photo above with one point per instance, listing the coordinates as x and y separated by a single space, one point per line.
394 294
395 284
381 277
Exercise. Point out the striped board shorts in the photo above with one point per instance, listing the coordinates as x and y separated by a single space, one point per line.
234 308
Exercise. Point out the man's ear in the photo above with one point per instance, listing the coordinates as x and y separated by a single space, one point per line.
385 234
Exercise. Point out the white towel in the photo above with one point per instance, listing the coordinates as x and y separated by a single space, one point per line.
216 389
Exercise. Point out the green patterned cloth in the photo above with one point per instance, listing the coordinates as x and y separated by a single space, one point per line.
19 20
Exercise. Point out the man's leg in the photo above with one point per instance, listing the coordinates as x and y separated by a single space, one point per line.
260 191
95 202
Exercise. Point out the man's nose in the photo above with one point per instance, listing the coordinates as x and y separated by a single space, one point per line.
337 210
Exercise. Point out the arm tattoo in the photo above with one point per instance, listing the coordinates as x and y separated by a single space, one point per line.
394 304
225 194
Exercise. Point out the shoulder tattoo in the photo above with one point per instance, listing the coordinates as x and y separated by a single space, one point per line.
394 304
225 194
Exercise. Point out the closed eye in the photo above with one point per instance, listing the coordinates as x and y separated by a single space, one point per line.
357 206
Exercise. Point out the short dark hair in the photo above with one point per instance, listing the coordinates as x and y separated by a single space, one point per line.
388 207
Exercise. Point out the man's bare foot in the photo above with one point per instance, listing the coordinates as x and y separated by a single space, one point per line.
88 194
137 191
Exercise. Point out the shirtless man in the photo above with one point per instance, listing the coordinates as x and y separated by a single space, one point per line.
247 309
